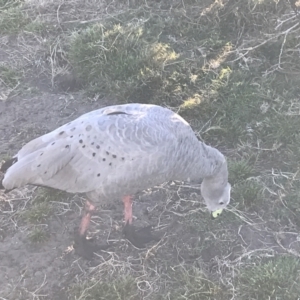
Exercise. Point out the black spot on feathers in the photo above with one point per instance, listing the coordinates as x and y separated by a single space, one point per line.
73 128
41 153
103 159
110 164
94 154
88 128
83 146
98 147
38 165
123 158
53 143
62 132
92 143
107 152
80 141
98 175
114 156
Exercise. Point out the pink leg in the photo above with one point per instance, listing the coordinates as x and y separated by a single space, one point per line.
86 218
127 200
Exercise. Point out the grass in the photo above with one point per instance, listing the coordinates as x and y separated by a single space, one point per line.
9 76
230 68
37 213
193 284
271 279
249 194
12 20
118 289
115 56
38 236
48 195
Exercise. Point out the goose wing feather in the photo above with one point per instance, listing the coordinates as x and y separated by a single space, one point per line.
115 145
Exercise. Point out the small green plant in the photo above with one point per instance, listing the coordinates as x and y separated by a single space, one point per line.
118 289
37 213
38 235
277 278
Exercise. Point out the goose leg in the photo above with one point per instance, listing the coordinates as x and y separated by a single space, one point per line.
84 247
138 237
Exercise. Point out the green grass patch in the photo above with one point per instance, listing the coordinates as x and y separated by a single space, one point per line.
194 284
277 278
12 20
9 76
240 170
287 212
118 289
5 4
248 194
115 56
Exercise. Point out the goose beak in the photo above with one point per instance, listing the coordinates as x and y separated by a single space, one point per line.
216 213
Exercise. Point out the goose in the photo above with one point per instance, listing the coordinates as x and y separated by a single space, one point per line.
115 152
